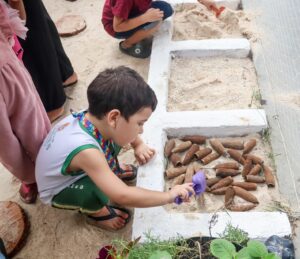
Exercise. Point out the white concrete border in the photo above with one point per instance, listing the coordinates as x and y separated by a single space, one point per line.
163 49
165 224
259 225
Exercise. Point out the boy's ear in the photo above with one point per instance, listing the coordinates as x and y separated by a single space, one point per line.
112 117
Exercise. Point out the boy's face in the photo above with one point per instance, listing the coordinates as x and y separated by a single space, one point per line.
127 131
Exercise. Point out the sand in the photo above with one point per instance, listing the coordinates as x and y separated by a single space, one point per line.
195 22
212 84
266 196
59 233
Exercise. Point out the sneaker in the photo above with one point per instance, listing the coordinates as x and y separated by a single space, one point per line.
138 50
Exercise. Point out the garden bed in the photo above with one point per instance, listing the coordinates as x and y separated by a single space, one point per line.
195 22
267 195
212 83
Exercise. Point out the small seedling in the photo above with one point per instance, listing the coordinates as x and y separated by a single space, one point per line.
152 248
212 222
272 156
256 97
235 235
266 135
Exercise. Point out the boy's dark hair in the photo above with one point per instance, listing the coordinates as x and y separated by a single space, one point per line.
119 88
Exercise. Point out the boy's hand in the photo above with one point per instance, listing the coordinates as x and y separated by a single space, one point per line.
143 153
183 191
153 14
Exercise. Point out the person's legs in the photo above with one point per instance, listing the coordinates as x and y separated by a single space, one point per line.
163 6
139 36
25 125
68 75
133 38
12 154
20 105
40 57
87 198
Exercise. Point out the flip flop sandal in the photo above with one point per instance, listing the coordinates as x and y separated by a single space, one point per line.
132 169
138 50
70 84
112 214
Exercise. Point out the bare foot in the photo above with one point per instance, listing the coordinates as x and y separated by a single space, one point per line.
55 114
71 80
116 222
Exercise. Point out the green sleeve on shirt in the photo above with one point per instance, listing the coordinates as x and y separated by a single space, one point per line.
71 156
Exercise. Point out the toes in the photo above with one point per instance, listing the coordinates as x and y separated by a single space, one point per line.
123 215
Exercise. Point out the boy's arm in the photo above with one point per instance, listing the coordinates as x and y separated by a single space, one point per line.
142 152
151 15
93 162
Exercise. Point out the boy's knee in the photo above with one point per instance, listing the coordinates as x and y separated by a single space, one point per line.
163 6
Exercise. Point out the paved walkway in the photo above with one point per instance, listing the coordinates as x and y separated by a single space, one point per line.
277 63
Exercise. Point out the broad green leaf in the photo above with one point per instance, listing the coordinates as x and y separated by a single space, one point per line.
222 249
160 255
256 248
271 256
243 254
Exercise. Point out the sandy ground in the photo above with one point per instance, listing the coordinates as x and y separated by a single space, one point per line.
195 22
266 196
58 233
212 84
65 234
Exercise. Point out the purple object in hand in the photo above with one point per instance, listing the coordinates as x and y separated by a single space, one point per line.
199 185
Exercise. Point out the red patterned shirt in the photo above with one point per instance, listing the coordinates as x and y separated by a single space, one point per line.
124 9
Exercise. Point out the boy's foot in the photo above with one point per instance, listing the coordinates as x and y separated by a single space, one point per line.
55 114
70 80
28 192
138 50
128 172
110 218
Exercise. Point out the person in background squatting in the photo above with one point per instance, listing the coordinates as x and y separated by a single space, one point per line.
135 21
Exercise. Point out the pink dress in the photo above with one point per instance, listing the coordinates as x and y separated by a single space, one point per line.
24 122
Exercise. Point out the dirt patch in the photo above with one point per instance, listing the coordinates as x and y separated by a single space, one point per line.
209 202
196 22
212 83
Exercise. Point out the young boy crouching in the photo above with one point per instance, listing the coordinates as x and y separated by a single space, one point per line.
135 21
77 166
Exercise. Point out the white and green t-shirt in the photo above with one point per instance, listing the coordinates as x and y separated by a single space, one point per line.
62 143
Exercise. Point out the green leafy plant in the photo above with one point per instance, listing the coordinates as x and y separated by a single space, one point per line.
256 97
266 135
223 249
160 255
235 235
152 248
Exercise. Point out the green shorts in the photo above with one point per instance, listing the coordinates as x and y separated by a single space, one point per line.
83 195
